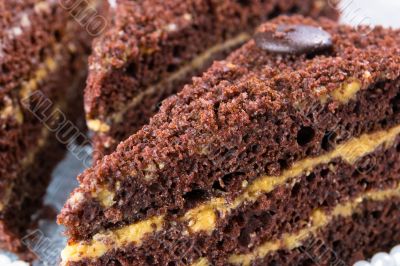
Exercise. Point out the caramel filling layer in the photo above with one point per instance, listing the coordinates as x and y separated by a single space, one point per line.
103 242
201 262
197 63
345 93
11 109
318 221
204 217
27 87
49 66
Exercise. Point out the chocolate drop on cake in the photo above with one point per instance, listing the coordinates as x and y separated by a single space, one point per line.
298 39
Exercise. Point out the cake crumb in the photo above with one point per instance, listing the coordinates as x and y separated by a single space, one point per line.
171 27
188 17
25 21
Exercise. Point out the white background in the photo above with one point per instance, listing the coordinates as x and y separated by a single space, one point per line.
372 12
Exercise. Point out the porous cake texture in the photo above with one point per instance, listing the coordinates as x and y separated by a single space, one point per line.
284 153
153 47
43 57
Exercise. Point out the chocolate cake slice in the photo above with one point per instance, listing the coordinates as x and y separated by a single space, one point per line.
284 153
43 57
153 47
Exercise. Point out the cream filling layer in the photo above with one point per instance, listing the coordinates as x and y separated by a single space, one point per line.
319 220
204 217
98 125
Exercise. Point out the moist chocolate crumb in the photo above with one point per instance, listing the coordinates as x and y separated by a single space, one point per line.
254 113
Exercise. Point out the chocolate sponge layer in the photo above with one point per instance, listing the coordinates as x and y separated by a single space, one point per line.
253 114
343 242
327 131
286 210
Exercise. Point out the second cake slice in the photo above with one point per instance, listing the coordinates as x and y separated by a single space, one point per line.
154 47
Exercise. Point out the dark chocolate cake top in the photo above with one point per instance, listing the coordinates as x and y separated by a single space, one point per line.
253 80
252 84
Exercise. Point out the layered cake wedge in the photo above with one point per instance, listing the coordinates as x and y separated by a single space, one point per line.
43 55
284 153
153 47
